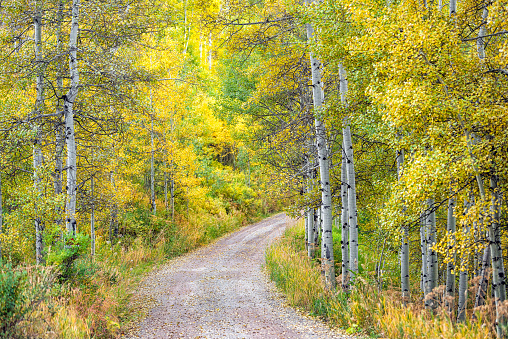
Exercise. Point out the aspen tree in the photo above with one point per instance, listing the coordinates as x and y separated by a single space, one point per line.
450 267
69 100
327 260
37 148
92 218
404 260
463 275
432 264
344 225
351 183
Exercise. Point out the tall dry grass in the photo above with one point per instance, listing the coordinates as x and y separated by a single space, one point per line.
365 309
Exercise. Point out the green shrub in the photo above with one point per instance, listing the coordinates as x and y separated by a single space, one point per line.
22 289
65 256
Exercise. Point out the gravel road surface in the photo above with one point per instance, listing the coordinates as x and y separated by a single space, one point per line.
221 291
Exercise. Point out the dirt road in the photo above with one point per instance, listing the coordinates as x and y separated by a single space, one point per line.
220 291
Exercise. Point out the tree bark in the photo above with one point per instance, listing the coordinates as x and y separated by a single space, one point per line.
496 252
69 100
423 246
92 218
351 183
450 267
432 267
344 223
404 260
37 148
484 280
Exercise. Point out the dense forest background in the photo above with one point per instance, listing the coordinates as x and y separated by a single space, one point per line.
136 131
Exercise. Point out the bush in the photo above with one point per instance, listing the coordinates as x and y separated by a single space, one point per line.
21 291
65 258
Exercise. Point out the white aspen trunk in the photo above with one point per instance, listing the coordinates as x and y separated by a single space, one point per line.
480 43
351 183
92 219
432 269
352 211
306 220
496 252
171 175
463 277
37 151
113 227
484 280
404 258
152 165
312 245
59 131
423 242
450 267
165 187
461 312
453 7
344 226
69 120
172 196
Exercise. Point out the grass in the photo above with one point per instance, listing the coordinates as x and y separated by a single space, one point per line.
365 309
93 300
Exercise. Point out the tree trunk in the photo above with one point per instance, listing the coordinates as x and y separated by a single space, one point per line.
344 223
423 242
37 148
152 165
351 183
327 260
432 267
92 219
496 252
484 280
352 211
69 120
113 226
450 267
312 245
404 260
461 312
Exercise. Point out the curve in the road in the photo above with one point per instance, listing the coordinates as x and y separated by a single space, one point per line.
220 291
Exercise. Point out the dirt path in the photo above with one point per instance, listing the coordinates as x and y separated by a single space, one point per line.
220 291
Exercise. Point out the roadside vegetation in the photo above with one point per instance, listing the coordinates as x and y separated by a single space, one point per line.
371 308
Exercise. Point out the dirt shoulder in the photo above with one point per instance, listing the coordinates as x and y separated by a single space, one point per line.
221 291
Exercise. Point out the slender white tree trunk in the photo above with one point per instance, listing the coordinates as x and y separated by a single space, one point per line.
92 218
484 280
432 268
344 224
450 267
113 227
69 120
463 275
404 258
351 183
37 148
496 252
423 242
461 312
